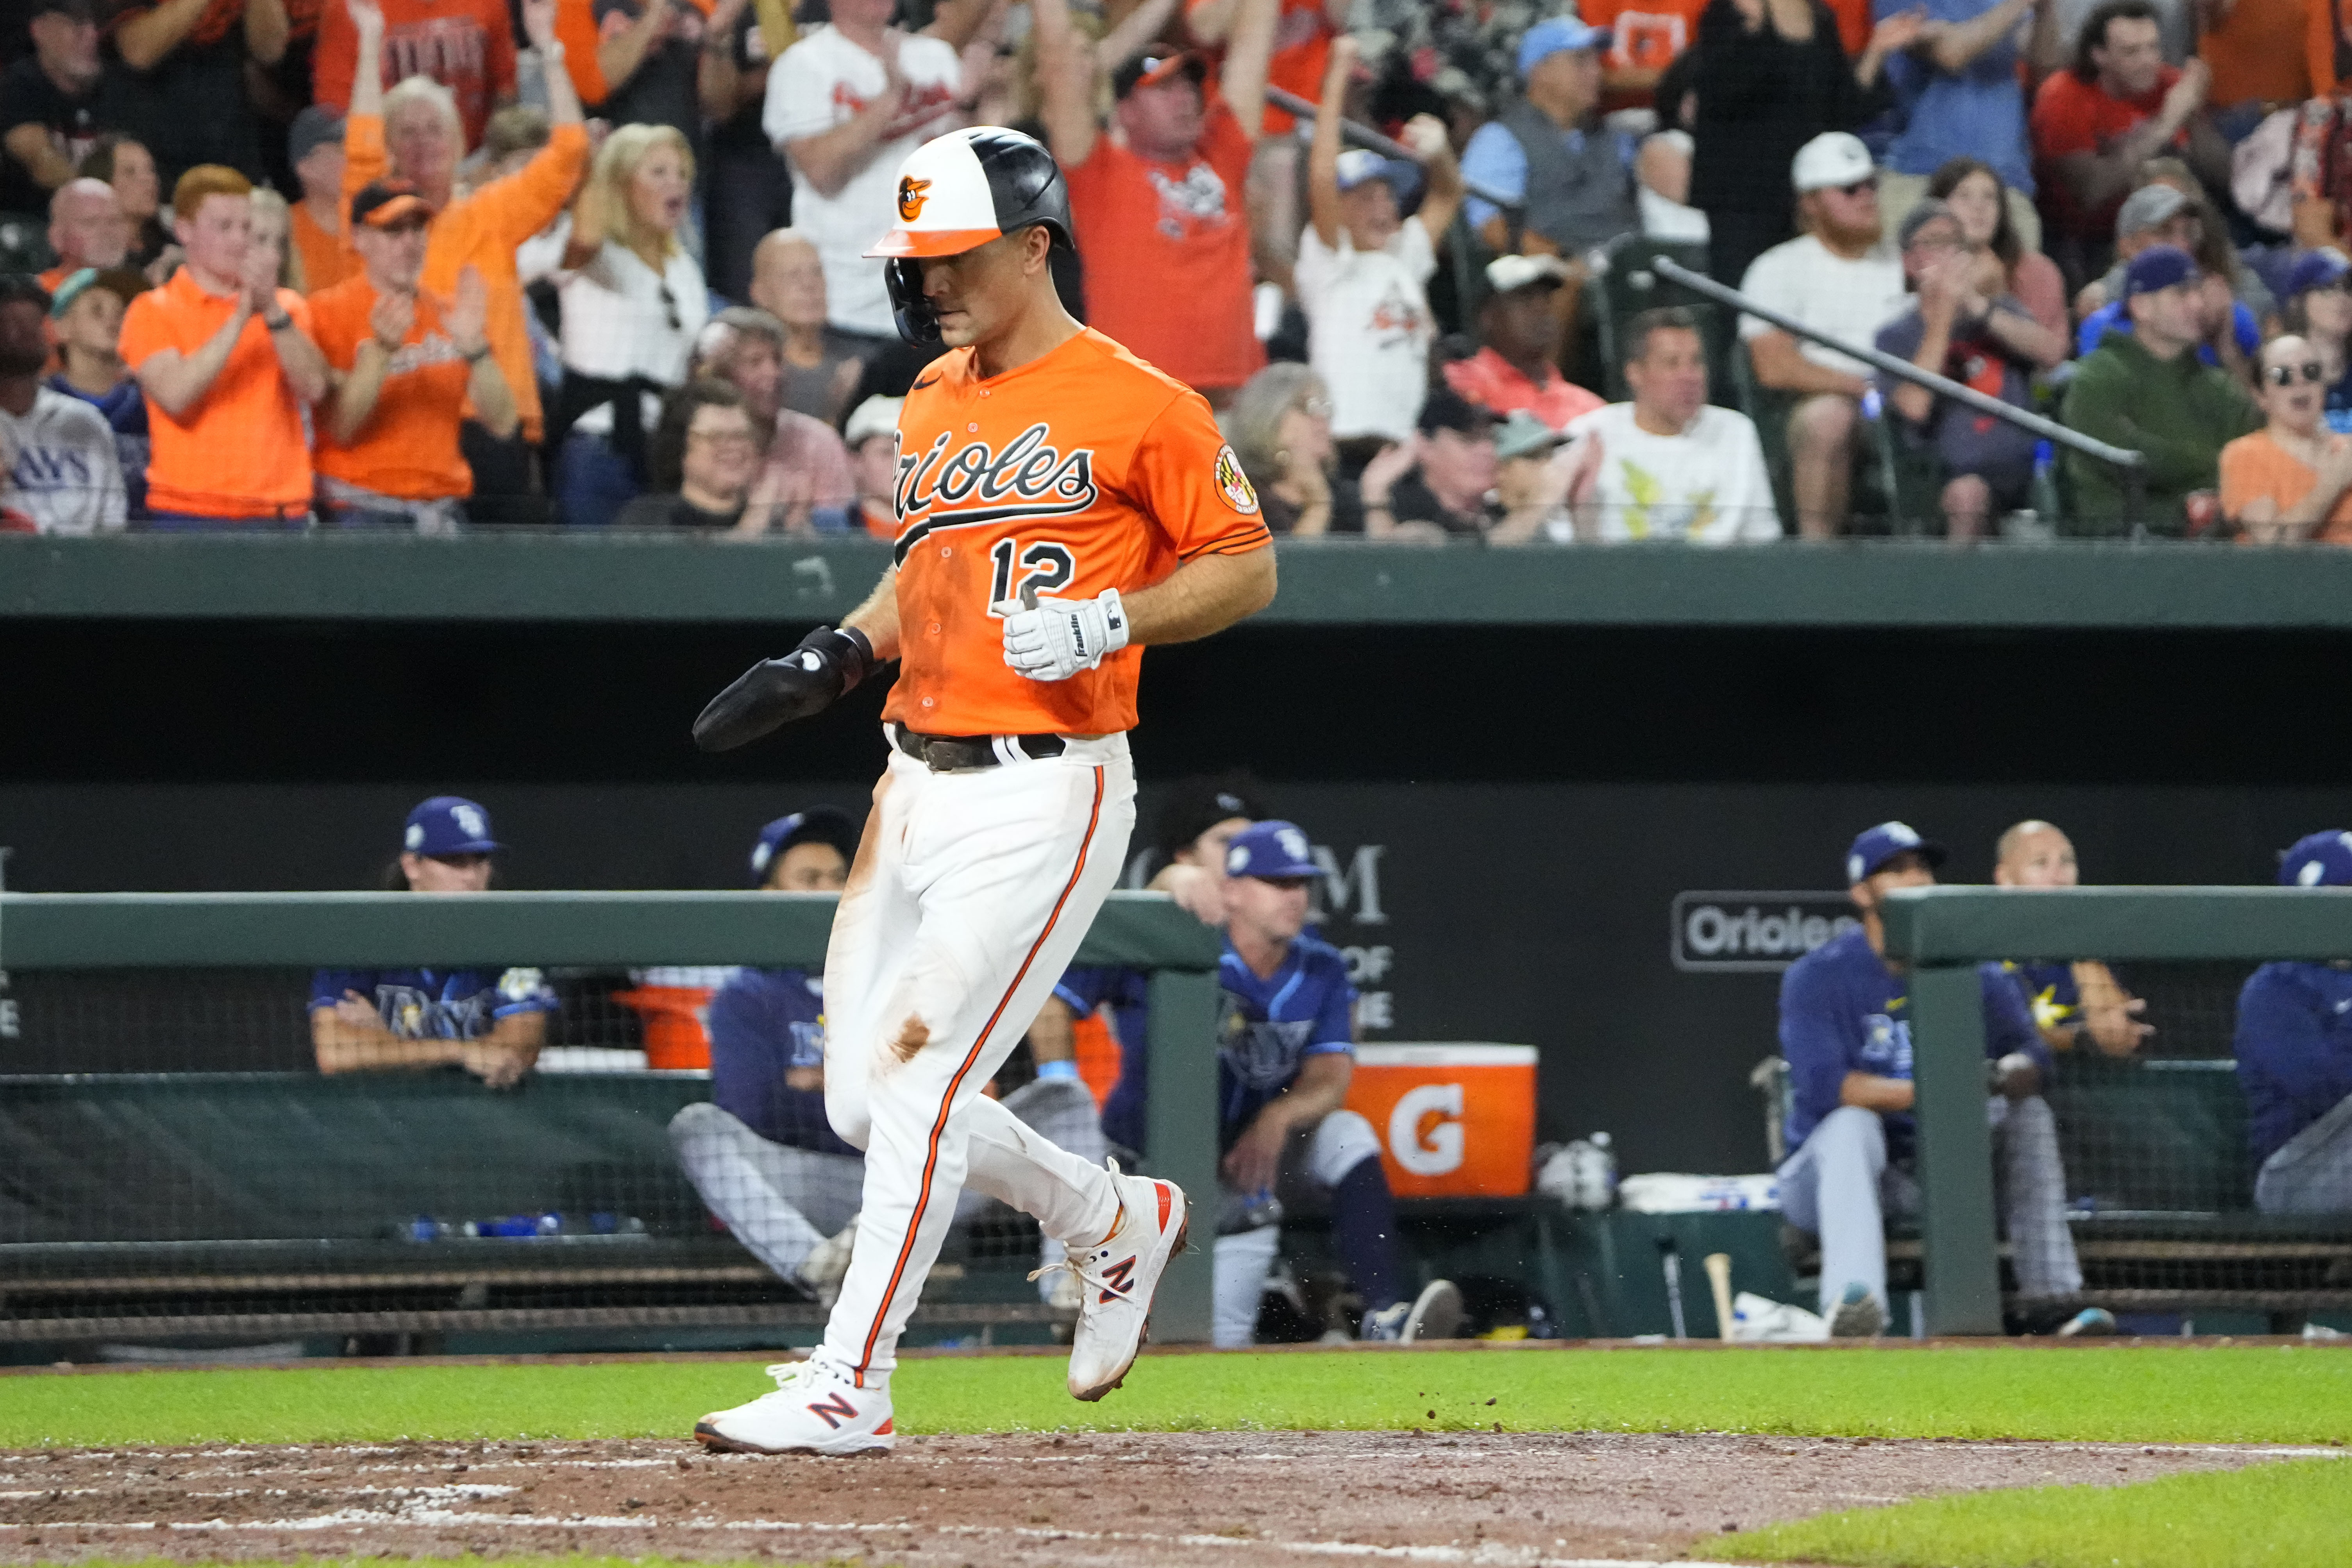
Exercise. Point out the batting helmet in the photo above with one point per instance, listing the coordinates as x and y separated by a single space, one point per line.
957 193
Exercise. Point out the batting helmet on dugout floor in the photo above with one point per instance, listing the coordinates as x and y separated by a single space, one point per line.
956 193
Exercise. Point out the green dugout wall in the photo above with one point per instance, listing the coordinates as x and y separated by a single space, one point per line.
1540 766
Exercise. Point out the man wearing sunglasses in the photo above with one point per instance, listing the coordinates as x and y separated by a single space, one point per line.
2147 391
1839 276
2287 481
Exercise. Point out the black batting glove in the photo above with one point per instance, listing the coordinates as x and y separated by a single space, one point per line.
828 663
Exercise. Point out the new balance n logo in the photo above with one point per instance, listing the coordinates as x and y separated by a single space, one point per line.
1116 1278
834 1410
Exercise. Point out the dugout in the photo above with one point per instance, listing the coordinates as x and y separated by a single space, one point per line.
1529 770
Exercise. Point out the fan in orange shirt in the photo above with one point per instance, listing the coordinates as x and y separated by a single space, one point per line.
315 225
1157 194
420 139
405 365
2291 479
223 359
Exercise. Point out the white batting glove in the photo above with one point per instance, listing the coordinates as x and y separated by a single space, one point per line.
1058 638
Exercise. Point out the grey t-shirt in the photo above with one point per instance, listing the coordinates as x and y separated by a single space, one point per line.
818 390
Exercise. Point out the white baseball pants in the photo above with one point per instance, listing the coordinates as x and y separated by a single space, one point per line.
968 898
2311 1172
1242 1261
1839 1186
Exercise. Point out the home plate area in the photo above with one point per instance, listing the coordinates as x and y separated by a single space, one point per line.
1232 1499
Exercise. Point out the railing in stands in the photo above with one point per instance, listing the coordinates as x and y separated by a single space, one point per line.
2133 465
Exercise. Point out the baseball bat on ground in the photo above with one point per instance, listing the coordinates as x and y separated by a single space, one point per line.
1718 1279
1672 1259
1363 135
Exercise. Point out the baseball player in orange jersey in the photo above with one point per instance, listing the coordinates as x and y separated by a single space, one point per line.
1060 505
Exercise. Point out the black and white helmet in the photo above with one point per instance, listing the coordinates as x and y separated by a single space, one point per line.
958 192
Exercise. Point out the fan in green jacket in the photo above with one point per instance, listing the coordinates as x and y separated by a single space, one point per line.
2147 391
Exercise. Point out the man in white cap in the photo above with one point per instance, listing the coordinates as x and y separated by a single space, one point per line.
872 437
1519 334
1839 277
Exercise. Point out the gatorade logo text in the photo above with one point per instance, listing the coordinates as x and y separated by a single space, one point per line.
1030 478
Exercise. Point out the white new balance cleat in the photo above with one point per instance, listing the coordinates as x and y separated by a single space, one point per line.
1115 1281
816 1408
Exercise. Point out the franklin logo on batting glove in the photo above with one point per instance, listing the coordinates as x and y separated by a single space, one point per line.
1052 639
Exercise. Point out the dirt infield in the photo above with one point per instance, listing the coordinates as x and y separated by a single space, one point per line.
1237 1500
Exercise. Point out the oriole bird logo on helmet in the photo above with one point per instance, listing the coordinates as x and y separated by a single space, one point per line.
957 193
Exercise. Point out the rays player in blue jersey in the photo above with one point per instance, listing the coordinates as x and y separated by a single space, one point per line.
1197 820
760 1152
489 1021
1845 1030
2293 1049
2074 1000
1286 1051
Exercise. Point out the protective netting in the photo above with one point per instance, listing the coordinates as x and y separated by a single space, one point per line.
2162 1159
179 1166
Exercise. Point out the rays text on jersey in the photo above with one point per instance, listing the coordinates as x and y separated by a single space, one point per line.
1030 478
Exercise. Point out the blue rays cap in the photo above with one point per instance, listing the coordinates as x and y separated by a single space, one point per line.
1270 849
1875 846
449 824
2318 860
1358 164
819 823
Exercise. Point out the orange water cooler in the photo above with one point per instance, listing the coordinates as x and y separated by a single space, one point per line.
1453 1120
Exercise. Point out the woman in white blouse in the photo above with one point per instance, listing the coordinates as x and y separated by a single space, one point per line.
632 309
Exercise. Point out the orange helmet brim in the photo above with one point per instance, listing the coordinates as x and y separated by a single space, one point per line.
933 242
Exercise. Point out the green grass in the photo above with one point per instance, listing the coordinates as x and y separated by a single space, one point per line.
2268 1516
2219 1394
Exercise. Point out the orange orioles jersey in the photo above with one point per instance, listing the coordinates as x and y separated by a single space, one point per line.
1082 471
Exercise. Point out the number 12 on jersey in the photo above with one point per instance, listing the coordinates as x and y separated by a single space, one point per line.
1042 567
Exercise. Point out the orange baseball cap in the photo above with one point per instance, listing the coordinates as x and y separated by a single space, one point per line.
380 204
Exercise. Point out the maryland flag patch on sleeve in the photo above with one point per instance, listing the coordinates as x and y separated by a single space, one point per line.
1234 483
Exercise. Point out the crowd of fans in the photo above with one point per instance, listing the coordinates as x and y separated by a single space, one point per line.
387 264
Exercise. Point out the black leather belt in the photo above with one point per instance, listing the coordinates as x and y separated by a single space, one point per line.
952 753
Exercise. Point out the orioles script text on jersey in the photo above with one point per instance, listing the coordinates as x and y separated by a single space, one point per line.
1084 469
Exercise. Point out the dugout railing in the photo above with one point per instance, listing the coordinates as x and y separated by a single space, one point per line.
207 1202
2159 1175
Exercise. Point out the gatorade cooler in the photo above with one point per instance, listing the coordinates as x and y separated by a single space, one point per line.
672 1003
1453 1120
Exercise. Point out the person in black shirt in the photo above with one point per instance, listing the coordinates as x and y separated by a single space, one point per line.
1439 485
184 90
53 104
1772 76
746 190
704 454
664 63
